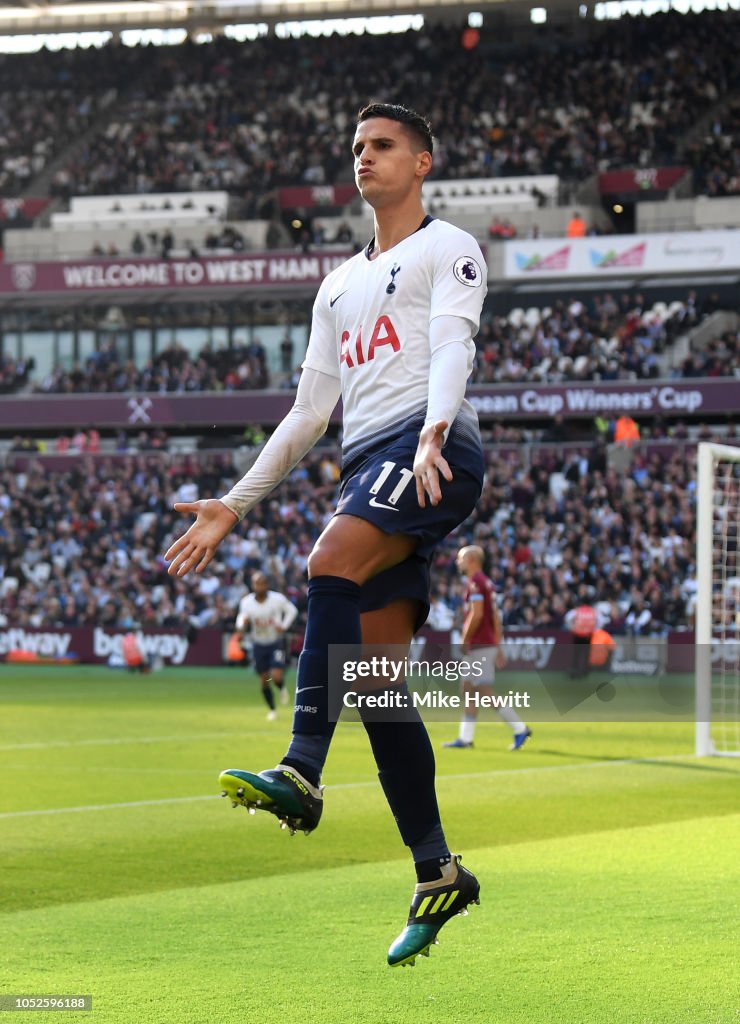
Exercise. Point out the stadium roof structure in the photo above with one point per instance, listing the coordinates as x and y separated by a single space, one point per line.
30 16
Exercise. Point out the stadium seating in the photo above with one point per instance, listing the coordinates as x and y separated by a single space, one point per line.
606 339
141 213
487 194
236 117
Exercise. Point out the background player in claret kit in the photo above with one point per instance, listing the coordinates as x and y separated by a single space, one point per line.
481 638
269 616
392 334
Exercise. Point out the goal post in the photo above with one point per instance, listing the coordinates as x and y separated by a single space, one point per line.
717 622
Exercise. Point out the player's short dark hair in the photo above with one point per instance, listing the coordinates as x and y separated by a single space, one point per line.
416 125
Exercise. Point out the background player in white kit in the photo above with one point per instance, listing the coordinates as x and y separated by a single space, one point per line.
481 636
392 333
268 615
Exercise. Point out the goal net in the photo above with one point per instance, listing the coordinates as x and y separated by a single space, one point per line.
717 637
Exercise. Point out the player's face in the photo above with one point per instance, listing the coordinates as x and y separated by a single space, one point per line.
259 585
388 163
468 564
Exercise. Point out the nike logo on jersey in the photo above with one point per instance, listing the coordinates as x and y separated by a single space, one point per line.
337 298
381 504
303 689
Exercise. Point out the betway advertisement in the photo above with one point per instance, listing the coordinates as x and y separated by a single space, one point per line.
96 645
532 651
616 255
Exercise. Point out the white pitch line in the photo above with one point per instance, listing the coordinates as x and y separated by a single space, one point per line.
348 785
535 769
104 807
123 740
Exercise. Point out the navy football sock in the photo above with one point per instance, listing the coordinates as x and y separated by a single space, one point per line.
333 618
405 760
430 870
269 699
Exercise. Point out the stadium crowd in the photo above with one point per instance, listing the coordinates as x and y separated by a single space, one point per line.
239 368
715 159
14 373
609 337
248 118
48 99
84 546
719 358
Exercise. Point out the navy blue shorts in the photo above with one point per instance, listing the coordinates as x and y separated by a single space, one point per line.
268 656
380 487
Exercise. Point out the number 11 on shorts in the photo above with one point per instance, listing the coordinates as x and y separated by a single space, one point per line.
406 477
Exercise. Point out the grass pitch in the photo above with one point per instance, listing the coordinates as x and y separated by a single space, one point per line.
607 855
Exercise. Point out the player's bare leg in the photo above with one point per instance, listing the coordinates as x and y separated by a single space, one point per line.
277 677
465 738
265 681
355 549
470 715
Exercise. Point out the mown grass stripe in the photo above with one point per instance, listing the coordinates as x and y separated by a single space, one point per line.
346 785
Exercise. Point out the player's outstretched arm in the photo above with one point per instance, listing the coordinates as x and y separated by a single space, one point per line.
196 548
296 435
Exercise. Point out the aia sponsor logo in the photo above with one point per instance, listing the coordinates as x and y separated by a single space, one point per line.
356 353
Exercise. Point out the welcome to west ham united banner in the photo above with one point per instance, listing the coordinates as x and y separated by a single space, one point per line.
605 256
86 277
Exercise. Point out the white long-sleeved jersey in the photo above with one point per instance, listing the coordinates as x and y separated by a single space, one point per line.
269 618
371 325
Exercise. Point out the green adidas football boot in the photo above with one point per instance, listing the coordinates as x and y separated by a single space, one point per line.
281 791
432 905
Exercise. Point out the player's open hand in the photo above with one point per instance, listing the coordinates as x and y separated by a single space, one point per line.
196 548
429 463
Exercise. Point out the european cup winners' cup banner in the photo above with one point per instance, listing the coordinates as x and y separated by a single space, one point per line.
684 399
